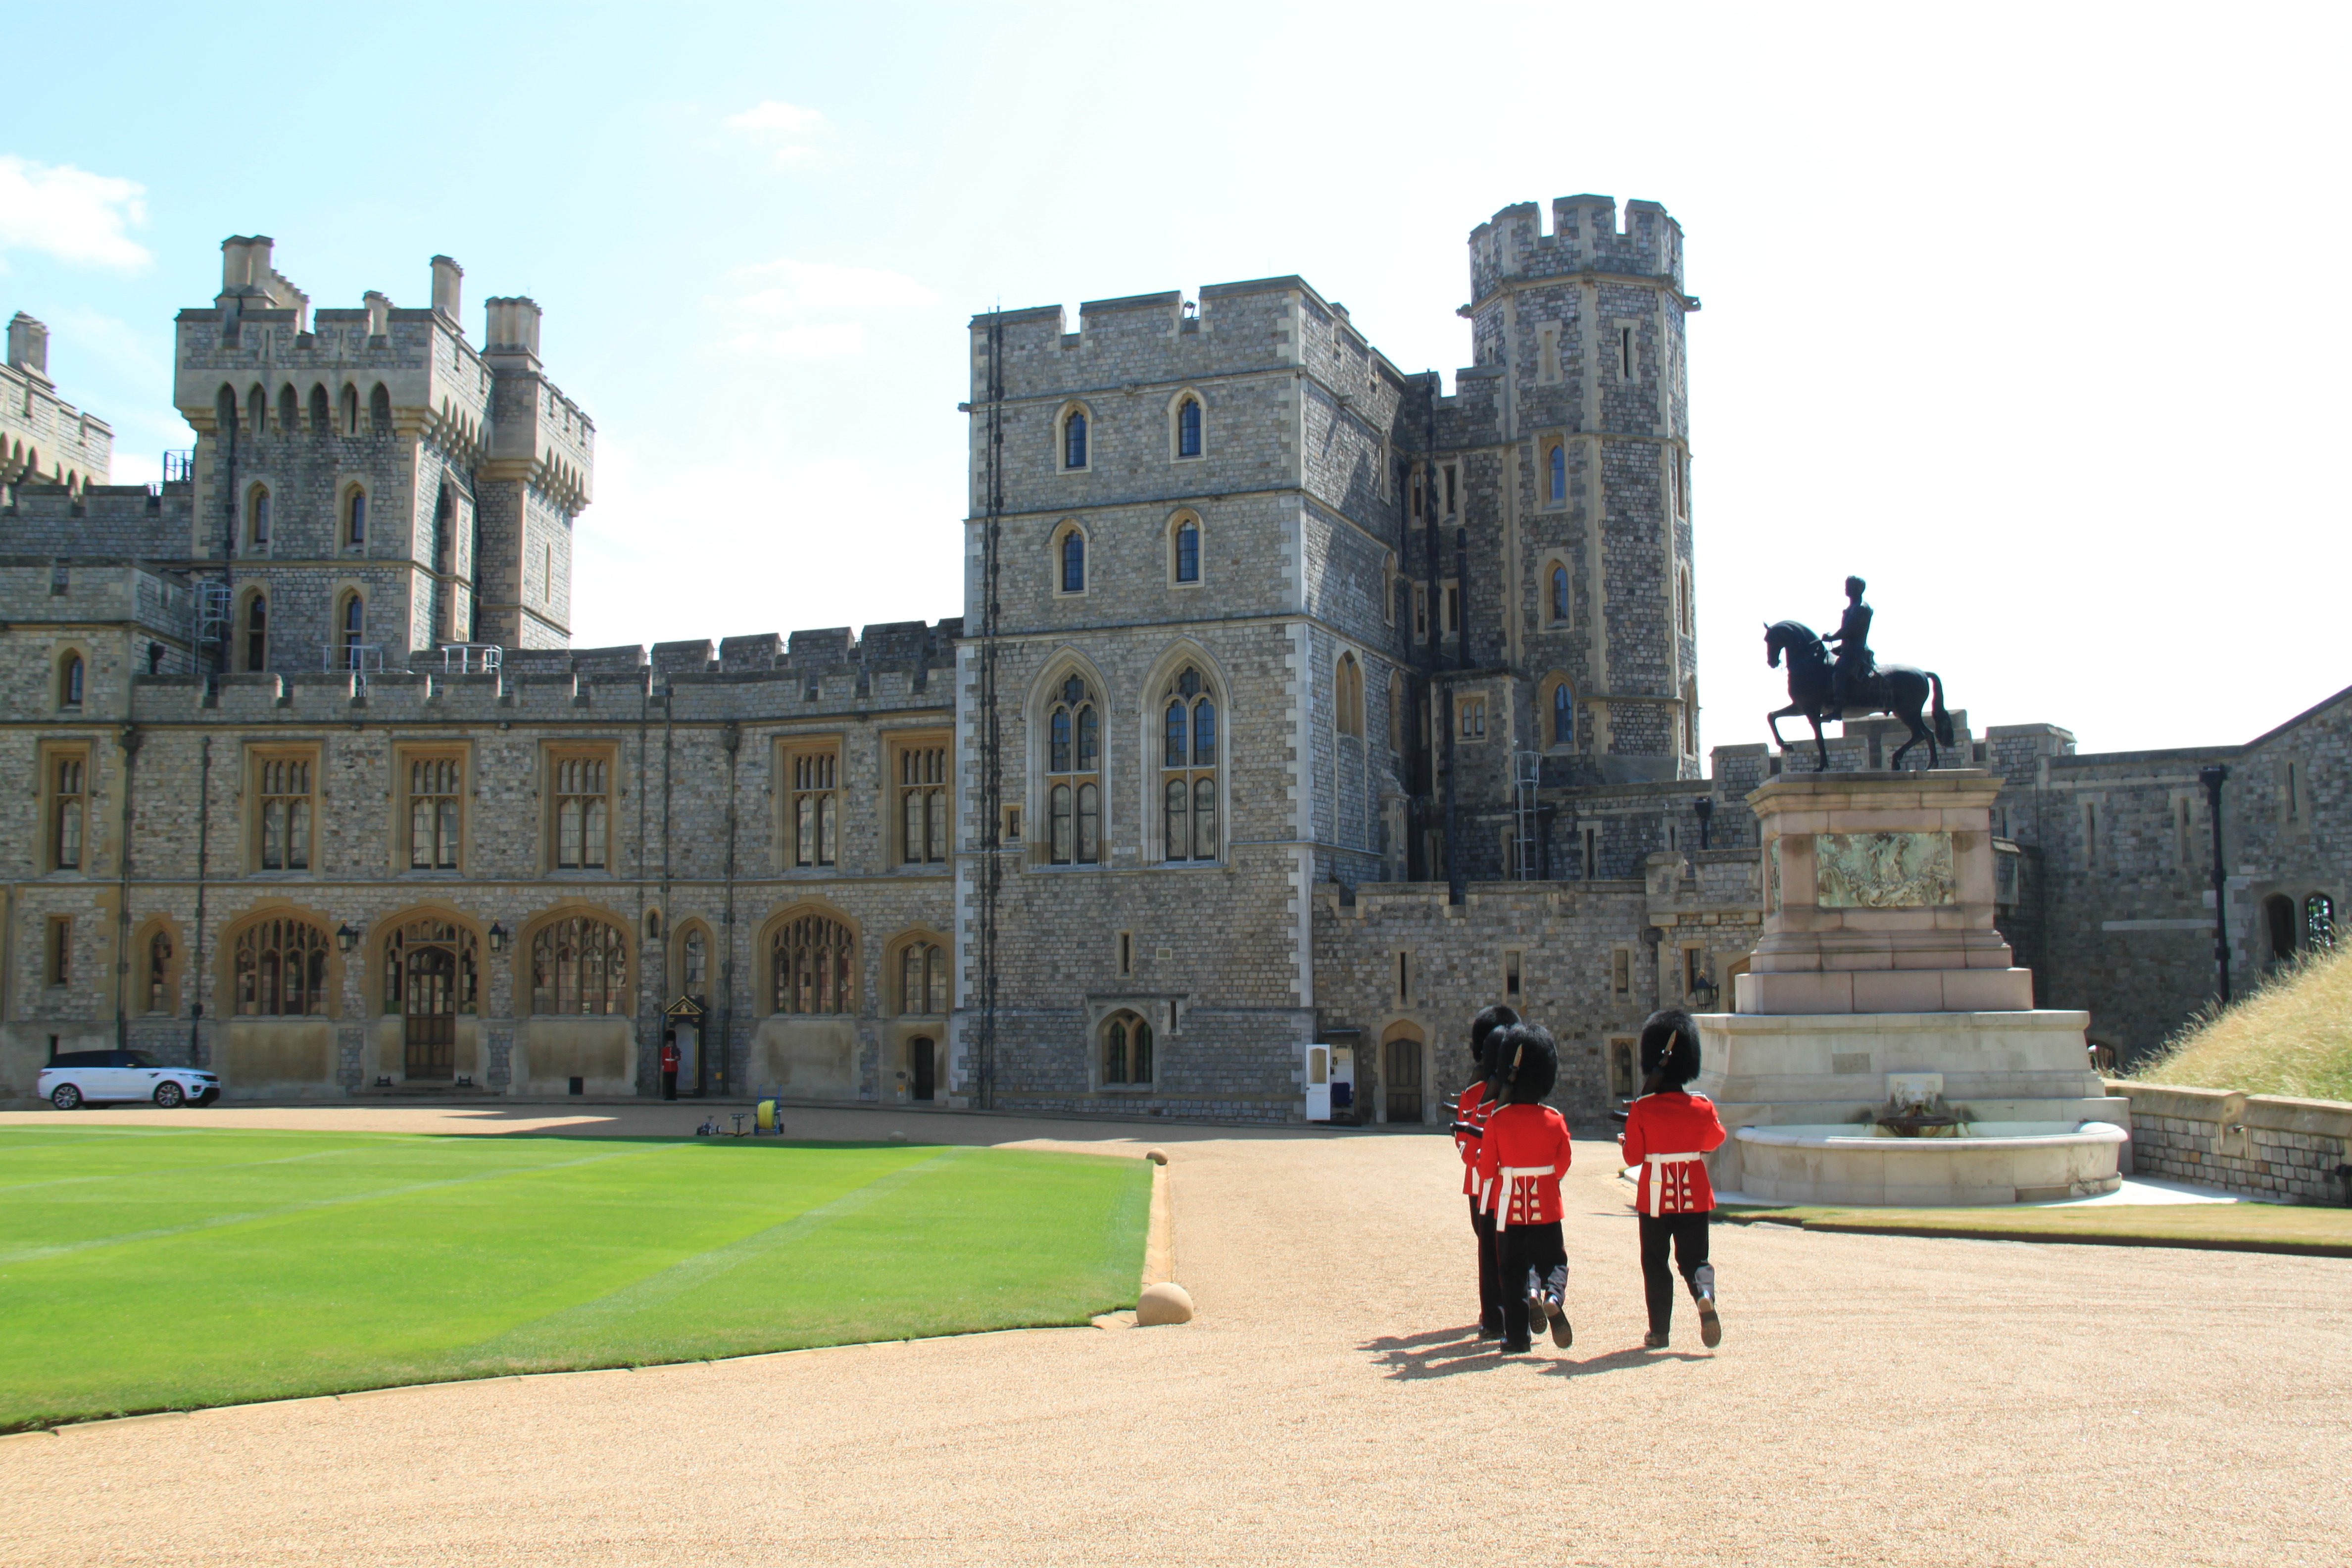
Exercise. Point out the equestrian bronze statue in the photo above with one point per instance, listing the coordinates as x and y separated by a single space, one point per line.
1855 685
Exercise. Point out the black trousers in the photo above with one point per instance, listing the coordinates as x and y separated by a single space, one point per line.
669 1085
1490 1299
1517 1248
1686 1233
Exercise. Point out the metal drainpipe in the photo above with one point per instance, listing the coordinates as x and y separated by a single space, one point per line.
731 736
669 739
1436 609
1457 887
196 945
2212 777
638 871
130 739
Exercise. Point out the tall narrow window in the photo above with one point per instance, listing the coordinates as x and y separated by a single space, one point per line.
1563 715
1348 695
1074 439
67 805
380 410
1452 501
285 814
922 978
1556 477
1452 608
816 808
1188 428
1420 611
1188 770
353 631
1625 352
2319 922
69 680
256 632
318 417
56 952
1074 777
1560 602
923 805
432 786
159 973
1074 562
1396 711
350 411
289 411
1680 468
812 963
1683 601
581 812
1188 551
355 518
256 518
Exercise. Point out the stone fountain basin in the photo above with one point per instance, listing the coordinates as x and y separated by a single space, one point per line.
1989 1162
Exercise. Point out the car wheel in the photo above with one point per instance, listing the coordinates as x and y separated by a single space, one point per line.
65 1097
169 1095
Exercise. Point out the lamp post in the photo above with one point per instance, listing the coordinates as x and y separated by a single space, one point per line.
2211 778
345 937
1705 806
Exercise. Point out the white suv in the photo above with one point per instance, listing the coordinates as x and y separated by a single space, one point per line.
85 1077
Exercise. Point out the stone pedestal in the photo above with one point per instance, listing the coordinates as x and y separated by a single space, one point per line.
1879 961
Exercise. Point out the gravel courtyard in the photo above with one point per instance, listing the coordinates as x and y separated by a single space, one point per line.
1876 1399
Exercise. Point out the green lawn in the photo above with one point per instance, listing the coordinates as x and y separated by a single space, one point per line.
167 1269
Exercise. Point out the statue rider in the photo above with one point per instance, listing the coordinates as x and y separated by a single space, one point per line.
1856 669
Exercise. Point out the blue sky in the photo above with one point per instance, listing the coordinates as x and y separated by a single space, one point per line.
2021 312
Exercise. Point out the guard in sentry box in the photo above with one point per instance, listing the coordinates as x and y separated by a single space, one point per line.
1521 1158
1470 1114
1666 1132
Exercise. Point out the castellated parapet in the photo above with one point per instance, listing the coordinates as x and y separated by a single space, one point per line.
373 456
44 439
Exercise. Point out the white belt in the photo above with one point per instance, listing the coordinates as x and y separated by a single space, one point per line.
1657 1163
1514 1172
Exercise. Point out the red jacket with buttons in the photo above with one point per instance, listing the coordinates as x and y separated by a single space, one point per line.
1521 1159
1470 1114
1671 1123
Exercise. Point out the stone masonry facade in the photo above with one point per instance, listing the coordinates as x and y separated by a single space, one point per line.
1314 703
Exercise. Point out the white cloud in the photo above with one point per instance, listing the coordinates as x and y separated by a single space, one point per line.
774 115
829 286
796 126
71 214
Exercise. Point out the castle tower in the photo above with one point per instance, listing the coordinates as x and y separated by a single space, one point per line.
369 484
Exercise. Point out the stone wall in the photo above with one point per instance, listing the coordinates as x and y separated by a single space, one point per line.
2268 1146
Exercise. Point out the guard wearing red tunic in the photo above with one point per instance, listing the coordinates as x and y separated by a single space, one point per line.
1521 1157
1667 1134
1470 1114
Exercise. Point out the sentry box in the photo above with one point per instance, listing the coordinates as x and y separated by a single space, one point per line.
1331 1083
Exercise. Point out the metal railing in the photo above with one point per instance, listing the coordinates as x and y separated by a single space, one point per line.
471 658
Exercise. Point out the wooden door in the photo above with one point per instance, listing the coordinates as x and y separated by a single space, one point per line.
1403 1080
432 1013
926 1068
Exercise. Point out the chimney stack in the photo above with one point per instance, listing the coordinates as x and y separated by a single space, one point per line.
445 276
379 313
512 326
245 263
29 345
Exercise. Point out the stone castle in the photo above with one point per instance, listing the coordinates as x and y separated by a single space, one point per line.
1293 699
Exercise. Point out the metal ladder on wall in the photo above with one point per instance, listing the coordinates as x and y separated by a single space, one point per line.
1526 773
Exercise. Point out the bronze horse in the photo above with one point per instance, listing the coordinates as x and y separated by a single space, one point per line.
1897 689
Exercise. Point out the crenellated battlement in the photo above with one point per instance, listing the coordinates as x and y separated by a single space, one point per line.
1586 236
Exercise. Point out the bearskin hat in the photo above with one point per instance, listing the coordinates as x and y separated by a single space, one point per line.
1527 1063
1483 1030
1670 1048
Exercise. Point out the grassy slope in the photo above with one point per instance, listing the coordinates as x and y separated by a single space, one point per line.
145 1271
2250 1227
2292 1035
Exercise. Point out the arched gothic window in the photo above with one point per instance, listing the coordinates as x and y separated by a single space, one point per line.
1188 770
355 516
1188 551
353 630
431 968
1073 438
1563 715
256 518
350 410
1074 561
319 416
922 978
1188 428
812 961
380 410
257 411
1556 482
1074 777
290 410
1348 695
69 681
1560 603
282 970
2318 922
1126 1050
694 964
256 632
579 964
